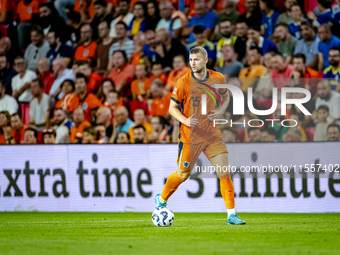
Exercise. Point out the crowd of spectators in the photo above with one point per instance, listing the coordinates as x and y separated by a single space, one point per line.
102 71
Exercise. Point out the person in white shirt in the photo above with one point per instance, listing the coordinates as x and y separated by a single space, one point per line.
21 86
123 14
7 103
62 128
62 73
21 83
330 98
166 9
39 106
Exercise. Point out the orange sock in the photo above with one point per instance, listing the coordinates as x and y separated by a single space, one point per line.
227 191
171 185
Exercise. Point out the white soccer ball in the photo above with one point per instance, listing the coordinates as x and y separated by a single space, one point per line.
163 217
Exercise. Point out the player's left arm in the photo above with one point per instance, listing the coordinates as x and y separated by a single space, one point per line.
217 113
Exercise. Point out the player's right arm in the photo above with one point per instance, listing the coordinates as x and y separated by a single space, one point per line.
176 113
178 95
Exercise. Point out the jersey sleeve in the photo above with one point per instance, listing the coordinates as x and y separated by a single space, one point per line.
178 93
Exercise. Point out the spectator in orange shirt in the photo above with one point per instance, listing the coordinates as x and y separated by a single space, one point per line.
156 72
88 101
79 124
87 50
45 75
18 128
123 73
160 104
95 80
140 88
7 11
69 100
28 12
179 70
303 74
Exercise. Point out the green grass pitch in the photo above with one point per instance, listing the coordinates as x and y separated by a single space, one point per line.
191 233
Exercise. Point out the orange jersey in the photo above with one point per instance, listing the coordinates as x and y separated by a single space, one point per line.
77 132
89 103
8 6
95 81
162 77
160 106
188 94
135 58
85 52
68 102
135 89
26 12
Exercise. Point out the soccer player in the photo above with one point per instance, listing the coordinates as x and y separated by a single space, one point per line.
197 132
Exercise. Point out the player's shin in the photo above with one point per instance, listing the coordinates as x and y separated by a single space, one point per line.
228 194
171 186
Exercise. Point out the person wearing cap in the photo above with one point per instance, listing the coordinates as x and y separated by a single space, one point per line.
49 136
200 36
254 37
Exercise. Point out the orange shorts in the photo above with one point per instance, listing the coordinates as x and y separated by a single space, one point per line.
188 154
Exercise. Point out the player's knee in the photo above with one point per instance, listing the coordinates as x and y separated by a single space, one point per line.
184 175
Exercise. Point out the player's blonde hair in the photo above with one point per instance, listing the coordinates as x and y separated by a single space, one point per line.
200 50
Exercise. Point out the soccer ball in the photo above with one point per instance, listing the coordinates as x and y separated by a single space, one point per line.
163 217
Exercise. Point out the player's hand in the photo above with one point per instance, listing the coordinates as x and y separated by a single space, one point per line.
216 114
191 121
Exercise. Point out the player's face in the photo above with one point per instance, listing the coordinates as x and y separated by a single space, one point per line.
197 62
333 134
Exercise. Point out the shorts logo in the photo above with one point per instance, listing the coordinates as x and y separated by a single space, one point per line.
86 52
84 106
186 164
29 10
174 92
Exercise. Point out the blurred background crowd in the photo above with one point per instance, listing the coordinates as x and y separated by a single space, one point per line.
102 71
